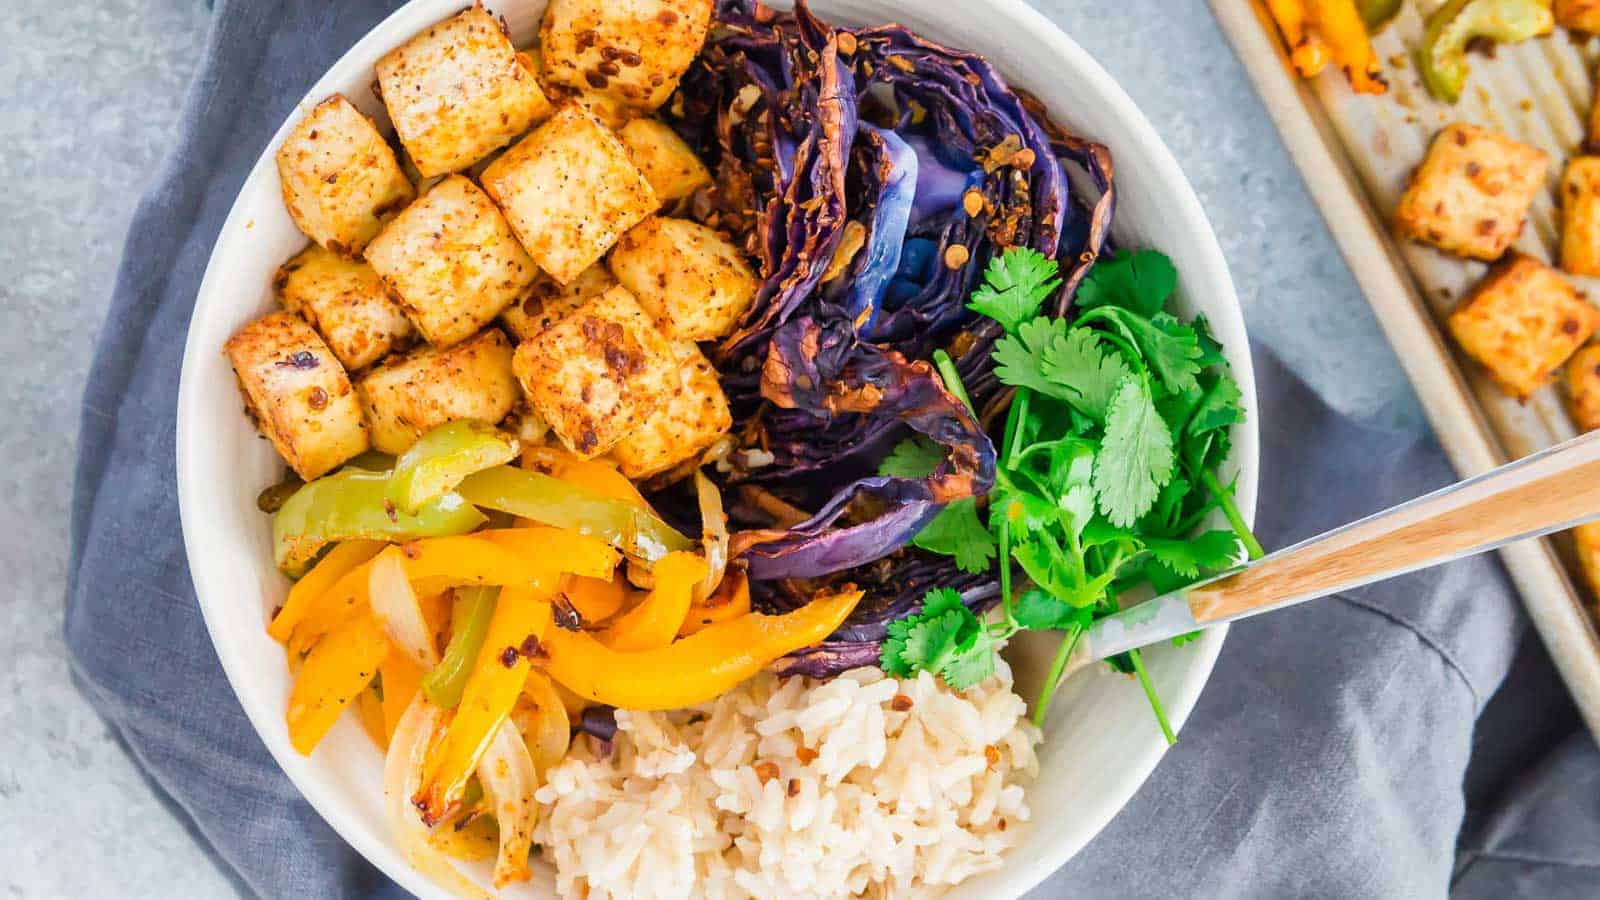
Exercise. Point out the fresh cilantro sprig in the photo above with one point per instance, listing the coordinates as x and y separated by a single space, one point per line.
1107 466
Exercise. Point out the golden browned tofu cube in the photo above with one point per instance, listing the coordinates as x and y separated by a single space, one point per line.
451 261
297 393
345 301
691 418
1579 15
459 90
692 282
1580 216
339 177
570 191
1472 193
1586 538
1583 387
549 300
635 51
1522 322
672 169
598 373
406 396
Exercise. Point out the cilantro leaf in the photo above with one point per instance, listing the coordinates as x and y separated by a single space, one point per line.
1015 286
1170 348
956 531
1080 363
1136 458
1019 357
1137 280
914 457
1036 610
1190 557
933 642
973 660
941 600
1218 407
943 637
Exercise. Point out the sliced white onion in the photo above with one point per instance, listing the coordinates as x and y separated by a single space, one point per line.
714 533
509 780
542 718
396 606
402 775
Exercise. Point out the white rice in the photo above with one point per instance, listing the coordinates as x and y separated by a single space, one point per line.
717 802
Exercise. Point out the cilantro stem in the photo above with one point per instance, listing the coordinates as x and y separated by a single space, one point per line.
1069 642
1019 408
952 378
1150 692
1235 519
1005 560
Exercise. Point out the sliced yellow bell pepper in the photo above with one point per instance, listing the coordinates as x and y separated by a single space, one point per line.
656 620
595 599
401 680
341 666
1319 32
321 579
521 620
731 600
558 549
593 474
348 597
369 706
572 703
696 668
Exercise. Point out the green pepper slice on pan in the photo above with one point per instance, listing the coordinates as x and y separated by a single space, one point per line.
1442 58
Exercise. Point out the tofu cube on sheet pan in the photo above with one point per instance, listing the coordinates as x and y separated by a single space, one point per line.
599 373
692 416
548 300
451 261
1586 539
1583 387
1471 194
569 191
692 282
459 90
1579 15
346 302
1522 322
635 51
408 395
671 167
297 393
339 177
1580 216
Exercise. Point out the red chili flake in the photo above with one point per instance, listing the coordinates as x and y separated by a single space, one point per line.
532 649
766 771
793 787
595 79
900 703
411 550
509 657
390 511
566 615
991 755
300 359
317 398
804 754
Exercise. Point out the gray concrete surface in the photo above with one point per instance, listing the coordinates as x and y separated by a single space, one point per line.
88 93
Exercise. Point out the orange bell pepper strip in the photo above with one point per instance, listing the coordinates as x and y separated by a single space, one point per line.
595 599
402 678
321 579
1307 52
521 619
695 669
505 557
731 600
1340 26
558 549
656 620
593 474
341 666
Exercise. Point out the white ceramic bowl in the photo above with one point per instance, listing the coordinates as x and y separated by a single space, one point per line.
1101 742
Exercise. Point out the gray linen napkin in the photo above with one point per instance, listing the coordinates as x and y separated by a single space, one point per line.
1325 759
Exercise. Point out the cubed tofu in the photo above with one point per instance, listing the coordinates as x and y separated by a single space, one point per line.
634 50
407 396
459 90
1522 322
608 109
1579 15
346 302
1472 193
339 177
549 300
297 393
672 169
692 282
598 373
451 261
1586 538
690 419
1583 387
569 190
1580 216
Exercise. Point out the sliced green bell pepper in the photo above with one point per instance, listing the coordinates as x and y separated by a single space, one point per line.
1376 13
469 625
440 459
551 501
1442 58
351 504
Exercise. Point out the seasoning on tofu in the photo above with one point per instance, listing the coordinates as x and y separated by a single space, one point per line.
345 301
548 300
1472 193
297 393
570 191
1583 387
451 261
408 395
458 91
1580 216
634 51
339 177
693 415
598 373
671 167
1522 322
692 282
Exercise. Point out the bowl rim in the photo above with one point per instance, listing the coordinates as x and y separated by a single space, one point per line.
1213 278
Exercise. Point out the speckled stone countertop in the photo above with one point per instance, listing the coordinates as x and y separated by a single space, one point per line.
91 89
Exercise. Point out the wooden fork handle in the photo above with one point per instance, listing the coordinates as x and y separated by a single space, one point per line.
1550 490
